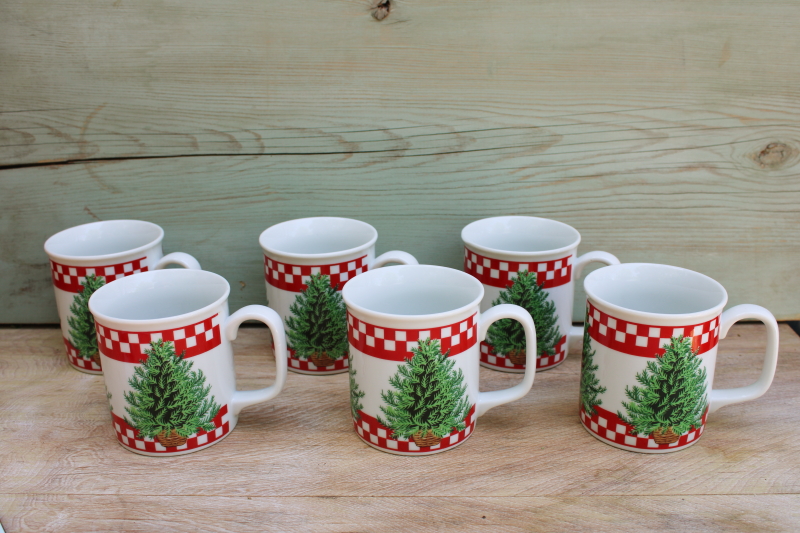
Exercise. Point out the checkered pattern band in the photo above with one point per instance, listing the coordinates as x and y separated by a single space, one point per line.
71 278
293 278
645 340
492 358
396 344
129 436
497 273
129 346
608 426
78 361
372 431
308 366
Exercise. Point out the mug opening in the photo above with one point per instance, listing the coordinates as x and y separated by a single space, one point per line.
655 289
518 235
159 294
103 239
412 290
318 236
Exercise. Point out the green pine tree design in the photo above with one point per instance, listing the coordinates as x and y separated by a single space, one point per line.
81 323
590 384
169 400
317 328
672 397
355 392
429 399
508 337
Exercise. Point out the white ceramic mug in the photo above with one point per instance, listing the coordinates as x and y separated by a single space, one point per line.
297 250
174 325
104 251
496 251
414 334
650 348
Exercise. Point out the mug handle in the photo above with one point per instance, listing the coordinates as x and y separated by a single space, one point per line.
722 397
575 337
487 400
394 256
178 258
245 398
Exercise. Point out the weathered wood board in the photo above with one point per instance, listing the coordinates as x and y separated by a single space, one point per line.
665 132
295 463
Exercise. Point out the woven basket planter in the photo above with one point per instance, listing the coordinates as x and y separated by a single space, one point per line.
517 357
321 359
428 440
172 440
665 437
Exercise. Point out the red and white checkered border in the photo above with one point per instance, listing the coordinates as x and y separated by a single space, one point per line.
373 432
78 361
293 278
500 361
608 426
296 363
130 346
645 340
497 273
397 344
129 437
71 278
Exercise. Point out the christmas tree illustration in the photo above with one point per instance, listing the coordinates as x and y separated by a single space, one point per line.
355 393
318 328
169 401
672 397
590 385
507 336
81 323
429 399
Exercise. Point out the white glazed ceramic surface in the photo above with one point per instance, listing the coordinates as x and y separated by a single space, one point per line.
633 312
389 312
341 248
497 248
111 249
189 309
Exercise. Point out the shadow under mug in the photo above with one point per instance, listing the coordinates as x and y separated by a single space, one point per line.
165 339
102 252
649 354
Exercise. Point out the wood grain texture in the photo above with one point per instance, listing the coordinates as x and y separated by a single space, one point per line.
665 132
296 463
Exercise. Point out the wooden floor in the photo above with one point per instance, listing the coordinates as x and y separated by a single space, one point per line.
294 464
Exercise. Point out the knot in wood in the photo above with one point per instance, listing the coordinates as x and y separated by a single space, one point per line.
773 155
381 9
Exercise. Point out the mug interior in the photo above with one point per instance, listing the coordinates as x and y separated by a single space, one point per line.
412 290
520 235
103 238
658 289
159 294
318 235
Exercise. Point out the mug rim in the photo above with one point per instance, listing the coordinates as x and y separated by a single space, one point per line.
268 249
48 244
695 315
516 254
142 277
411 318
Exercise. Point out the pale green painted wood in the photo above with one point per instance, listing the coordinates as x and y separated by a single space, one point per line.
664 132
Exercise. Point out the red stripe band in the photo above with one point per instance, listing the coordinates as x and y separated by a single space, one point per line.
129 436
293 278
645 340
397 344
372 431
497 273
492 358
129 346
71 278
609 426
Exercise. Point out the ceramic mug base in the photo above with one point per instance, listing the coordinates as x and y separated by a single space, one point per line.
86 370
318 372
173 454
519 370
638 450
432 452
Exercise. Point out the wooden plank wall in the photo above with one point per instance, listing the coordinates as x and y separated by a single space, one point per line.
664 131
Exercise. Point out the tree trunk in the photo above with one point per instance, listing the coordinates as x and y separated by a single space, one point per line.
428 440
518 357
173 440
667 436
321 360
